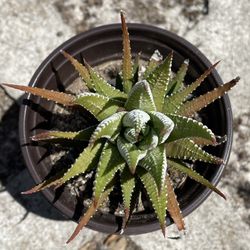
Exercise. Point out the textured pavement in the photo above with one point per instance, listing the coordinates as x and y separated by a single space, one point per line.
31 29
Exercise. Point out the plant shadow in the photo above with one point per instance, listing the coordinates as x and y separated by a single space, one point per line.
14 176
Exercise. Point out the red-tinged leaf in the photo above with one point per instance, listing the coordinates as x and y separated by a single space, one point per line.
159 200
173 206
191 107
174 101
58 97
53 181
127 68
81 69
82 135
127 185
91 210
177 83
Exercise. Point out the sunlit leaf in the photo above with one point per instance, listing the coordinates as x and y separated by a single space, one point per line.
127 58
174 101
177 83
108 128
82 135
140 97
192 129
100 106
194 175
159 79
186 149
191 107
130 153
51 95
173 206
109 163
159 200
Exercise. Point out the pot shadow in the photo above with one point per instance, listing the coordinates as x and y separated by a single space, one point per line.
14 177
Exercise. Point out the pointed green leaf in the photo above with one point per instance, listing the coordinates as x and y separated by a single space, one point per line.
108 128
83 72
84 163
156 163
154 61
140 97
189 128
186 149
82 135
127 185
174 101
102 87
159 80
159 201
127 57
110 162
177 83
91 211
194 175
191 107
51 95
173 206
136 68
100 106
130 153
162 125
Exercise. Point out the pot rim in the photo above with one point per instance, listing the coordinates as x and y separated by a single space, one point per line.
151 226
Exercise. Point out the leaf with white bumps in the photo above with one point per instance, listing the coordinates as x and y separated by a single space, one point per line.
177 83
189 128
130 153
98 105
86 161
159 79
127 185
136 119
109 163
159 200
186 149
194 175
174 101
156 164
82 135
173 206
189 108
108 128
140 97
81 69
162 125
154 61
102 87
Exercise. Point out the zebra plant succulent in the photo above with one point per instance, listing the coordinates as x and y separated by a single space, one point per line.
146 126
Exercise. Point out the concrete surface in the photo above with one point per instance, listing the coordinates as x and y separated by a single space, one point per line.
30 29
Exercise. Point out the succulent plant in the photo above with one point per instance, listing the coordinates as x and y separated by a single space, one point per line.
146 126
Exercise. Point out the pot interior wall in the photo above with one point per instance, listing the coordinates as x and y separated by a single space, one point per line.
101 45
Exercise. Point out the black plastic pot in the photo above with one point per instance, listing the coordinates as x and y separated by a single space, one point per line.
103 44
